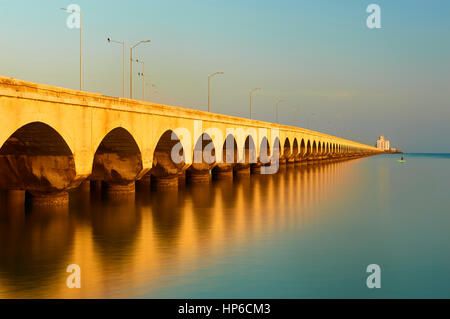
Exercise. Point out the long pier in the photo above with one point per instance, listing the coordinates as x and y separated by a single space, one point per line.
53 139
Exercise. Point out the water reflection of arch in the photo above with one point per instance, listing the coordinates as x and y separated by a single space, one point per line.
246 193
115 228
202 197
168 214
35 249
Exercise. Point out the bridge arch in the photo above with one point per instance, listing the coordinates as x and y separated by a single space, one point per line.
250 155
118 159
37 158
230 150
287 148
169 159
302 148
295 149
264 151
276 149
205 159
308 148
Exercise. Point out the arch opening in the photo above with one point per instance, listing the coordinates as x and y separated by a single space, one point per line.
168 159
314 148
36 158
287 149
295 150
264 151
308 149
230 157
117 161
277 154
302 148
204 159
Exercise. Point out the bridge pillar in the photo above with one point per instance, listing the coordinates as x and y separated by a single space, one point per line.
85 186
182 177
242 170
116 189
223 171
165 182
55 199
145 181
291 161
199 176
255 168
96 186
15 198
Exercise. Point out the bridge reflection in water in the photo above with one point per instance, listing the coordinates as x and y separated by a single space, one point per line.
154 240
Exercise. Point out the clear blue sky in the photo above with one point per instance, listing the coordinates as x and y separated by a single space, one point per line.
318 55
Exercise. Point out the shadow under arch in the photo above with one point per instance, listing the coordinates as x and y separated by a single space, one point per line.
264 151
117 161
204 159
308 149
286 149
295 149
230 156
230 152
36 158
168 160
250 150
314 148
277 149
302 148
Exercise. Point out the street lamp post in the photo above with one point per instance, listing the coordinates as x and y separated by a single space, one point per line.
143 78
278 103
149 91
81 46
131 65
123 62
209 88
251 94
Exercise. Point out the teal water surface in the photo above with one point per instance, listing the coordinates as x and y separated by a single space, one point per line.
307 232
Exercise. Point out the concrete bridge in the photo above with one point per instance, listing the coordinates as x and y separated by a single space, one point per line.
52 139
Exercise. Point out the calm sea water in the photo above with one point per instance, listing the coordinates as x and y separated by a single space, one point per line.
304 233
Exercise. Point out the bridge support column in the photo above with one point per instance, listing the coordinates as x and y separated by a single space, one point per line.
55 199
301 161
96 186
256 168
15 198
199 177
165 182
290 162
85 186
223 172
242 170
145 181
116 189
182 177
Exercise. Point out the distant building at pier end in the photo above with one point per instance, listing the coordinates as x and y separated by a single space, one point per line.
383 144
